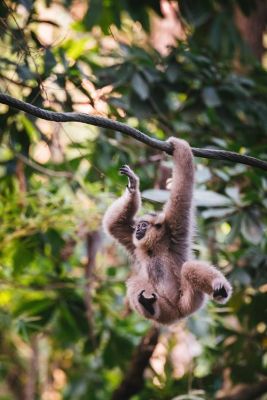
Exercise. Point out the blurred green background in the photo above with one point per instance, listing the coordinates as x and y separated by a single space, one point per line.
195 70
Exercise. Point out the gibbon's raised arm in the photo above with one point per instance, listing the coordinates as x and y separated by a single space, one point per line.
178 209
118 220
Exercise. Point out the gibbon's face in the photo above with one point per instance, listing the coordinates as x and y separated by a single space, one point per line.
149 230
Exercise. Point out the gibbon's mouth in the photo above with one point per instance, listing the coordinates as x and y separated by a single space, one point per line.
147 302
140 234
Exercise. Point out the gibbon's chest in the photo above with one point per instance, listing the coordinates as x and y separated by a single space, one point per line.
159 270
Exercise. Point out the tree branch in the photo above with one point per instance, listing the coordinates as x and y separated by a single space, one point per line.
135 133
32 374
43 170
22 84
133 380
92 245
246 392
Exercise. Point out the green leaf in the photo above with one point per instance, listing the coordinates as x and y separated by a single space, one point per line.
24 72
34 315
208 198
234 193
251 229
158 195
203 198
172 72
203 174
34 307
211 97
29 127
217 212
21 258
93 14
50 61
240 277
76 48
118 350
140 86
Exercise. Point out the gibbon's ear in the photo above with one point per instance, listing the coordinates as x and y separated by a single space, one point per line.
159 220
158 226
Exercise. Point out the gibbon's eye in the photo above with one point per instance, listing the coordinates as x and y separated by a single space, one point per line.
158 226
144 224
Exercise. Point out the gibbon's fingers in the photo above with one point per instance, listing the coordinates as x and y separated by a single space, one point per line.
150 299
126 170
132 178
220 293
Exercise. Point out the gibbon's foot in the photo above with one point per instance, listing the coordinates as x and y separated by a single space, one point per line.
221 290
147 302
132 178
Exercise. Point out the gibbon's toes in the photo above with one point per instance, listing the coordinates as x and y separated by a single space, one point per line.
150 299
221 291
147 302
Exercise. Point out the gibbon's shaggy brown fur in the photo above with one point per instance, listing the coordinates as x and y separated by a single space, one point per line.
166 283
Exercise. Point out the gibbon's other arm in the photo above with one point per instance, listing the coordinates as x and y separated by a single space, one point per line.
179 209
118 220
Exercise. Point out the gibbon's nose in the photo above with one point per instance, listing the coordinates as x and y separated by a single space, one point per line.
147 302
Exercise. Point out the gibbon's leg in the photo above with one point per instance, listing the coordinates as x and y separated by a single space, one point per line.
119 218
202 277
179 208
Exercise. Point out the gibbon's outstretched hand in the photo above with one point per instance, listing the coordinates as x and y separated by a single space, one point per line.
166 283
132 178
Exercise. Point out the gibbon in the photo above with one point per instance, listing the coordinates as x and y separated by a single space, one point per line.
166 283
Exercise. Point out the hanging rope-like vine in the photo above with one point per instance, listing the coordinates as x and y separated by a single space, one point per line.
123 128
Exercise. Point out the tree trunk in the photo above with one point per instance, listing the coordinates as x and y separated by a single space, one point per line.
252 27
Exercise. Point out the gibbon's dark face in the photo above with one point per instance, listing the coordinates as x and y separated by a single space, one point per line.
140 229
149 229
